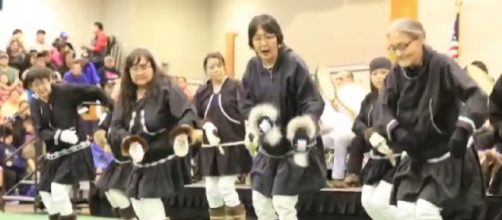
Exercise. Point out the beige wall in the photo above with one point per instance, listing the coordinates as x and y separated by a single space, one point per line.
53 16
333 32
480 29
173 30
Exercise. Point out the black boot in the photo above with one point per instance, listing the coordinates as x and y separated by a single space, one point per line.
68 217
54 217
127 213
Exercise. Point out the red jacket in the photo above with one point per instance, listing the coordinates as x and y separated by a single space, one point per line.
101 42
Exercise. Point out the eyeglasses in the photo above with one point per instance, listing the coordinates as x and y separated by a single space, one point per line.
400 47
142 67
266 37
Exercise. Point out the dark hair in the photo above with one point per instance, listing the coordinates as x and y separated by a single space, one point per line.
36 73
5 131
268 23
480 65
127 94
17 31
40 31
99 25
214 55
43 53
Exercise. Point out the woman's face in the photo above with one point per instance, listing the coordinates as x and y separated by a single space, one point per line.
215 69
265 45
141 73
378 77
408 50
14 46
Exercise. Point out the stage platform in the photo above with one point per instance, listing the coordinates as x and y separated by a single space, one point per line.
326 204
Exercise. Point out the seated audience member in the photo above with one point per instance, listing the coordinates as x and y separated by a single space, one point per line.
90 71
15 167
76 76
11 72
108 72
182 83
11 106
17 57
4 88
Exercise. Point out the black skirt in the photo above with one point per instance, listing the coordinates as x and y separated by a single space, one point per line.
116 176
236 160
281 176
159 181
377 170
453 184
69 169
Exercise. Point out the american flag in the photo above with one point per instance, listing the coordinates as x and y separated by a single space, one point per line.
454 46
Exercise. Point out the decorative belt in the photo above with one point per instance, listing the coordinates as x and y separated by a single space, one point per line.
121 162
432 160
155 163
220 146
379 157
70 150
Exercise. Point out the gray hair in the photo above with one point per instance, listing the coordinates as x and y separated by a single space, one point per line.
107 58
407 26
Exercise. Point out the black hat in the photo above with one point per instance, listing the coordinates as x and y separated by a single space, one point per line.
380 63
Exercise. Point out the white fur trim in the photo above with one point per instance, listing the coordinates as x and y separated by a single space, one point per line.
301 122
274 136
259 111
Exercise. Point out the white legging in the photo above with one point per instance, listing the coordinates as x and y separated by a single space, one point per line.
421 210
266 207
149 209
221 191
376 201
58 200
117 199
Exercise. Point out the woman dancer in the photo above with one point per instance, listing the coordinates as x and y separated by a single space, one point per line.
223 155
283 106
152 121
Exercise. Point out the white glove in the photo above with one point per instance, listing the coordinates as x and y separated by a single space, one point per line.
265 126
380 144
376 139
136 151
69 136
181 145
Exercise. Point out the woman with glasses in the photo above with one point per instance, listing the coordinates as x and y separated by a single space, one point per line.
430 107
282 103
152 122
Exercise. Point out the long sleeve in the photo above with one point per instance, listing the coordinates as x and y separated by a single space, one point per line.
474 110
181 108
388 105
495 104
309 99
45 133
93 74
245 99
89 93
118 130
361 121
